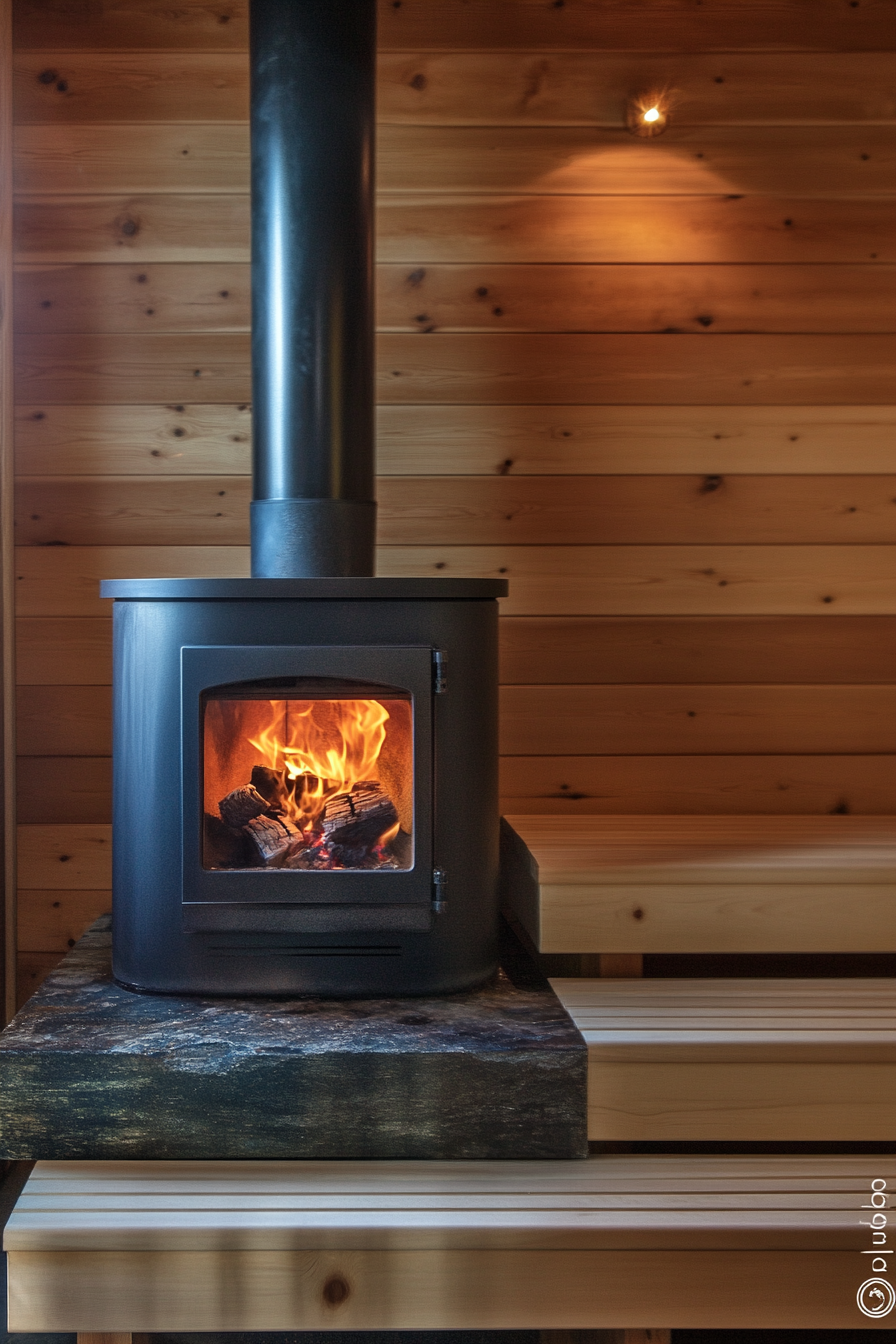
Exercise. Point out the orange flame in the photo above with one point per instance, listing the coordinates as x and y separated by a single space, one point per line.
330 745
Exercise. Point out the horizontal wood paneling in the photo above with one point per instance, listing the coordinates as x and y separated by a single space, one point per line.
741 784
65 581
483 228
721 25
700 161
192 440
561 407
166 440
67 858
455 510
483 368
77 650
208 297
655 26
64 651
544 580
64 721
73 789
593 88
771 649
473 87
637 720
586 720
53 921
655 370
70 85
631 298
179 228
191 296
134 23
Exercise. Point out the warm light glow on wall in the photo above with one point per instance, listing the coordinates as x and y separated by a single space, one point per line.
648 115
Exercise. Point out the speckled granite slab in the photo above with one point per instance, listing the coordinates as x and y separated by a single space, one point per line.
89 1070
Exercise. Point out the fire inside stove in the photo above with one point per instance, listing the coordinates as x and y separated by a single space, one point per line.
312 783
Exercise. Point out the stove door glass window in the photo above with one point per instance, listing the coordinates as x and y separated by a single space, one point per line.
317 780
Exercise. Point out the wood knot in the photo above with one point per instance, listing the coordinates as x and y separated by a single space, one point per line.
711 484
336 1290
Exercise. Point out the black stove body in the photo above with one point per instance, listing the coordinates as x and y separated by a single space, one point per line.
203 669
305 762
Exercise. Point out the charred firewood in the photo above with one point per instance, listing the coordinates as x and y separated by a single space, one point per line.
242 806
359 818
224 847
271 785
274 838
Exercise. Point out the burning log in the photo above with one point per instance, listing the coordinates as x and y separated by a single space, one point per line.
242 806
224 847
248 812
358 818
271 785
275 838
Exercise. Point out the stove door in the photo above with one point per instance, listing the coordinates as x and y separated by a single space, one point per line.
307 788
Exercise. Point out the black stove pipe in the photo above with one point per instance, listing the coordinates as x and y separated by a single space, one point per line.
313 85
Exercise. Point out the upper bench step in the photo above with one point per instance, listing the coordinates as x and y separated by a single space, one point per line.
702 884
612 1241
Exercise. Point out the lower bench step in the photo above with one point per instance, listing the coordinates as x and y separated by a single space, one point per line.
610 1242
737 1060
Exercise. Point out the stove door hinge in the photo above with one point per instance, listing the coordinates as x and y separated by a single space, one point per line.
439 672
439 885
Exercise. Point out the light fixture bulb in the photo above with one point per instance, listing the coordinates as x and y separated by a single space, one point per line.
648 114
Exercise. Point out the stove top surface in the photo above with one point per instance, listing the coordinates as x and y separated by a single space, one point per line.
365 589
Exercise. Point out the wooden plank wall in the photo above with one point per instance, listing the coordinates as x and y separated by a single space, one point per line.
7 553
650 381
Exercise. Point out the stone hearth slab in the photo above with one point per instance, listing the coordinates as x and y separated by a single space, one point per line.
90 1070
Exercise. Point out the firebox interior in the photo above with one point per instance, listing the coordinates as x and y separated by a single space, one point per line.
308 785
307 774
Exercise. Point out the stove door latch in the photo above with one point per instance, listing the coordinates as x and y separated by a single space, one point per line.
439 672
439 884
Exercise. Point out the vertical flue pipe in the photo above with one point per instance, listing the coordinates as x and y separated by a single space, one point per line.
312 117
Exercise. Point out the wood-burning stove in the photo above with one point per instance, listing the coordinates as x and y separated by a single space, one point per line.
305 793
305 762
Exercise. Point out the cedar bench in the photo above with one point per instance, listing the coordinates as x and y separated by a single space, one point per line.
733 1059
605 1243
630 885
738 1060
